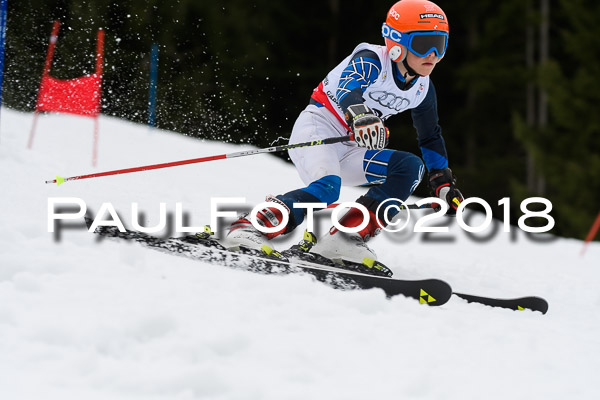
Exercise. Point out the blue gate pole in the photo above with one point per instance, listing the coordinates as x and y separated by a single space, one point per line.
2 37
153 84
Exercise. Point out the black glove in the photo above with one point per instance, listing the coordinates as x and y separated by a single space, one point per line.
367 127
443 185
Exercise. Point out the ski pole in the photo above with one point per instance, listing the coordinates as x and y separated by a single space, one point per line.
402 206
421 207
60 179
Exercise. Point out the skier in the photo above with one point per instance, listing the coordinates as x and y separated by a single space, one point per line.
356 97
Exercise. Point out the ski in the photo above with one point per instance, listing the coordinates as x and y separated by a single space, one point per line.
302 250
433 292
350 276
532 303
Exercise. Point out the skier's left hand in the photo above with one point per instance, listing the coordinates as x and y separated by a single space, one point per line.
443 185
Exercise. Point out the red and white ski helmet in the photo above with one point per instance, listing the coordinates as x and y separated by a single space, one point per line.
419 17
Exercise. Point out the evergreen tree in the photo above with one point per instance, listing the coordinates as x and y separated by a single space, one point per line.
567 150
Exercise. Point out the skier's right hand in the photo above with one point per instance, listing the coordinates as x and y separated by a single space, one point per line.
367 127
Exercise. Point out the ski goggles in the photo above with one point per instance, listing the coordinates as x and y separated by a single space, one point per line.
419 43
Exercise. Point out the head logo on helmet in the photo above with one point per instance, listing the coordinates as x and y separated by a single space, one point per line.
418 26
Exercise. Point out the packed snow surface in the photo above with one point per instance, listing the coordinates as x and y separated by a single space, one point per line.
87 319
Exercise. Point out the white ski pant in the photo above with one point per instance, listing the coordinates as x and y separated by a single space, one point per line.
314 162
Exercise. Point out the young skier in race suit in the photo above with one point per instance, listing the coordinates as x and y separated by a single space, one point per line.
372 84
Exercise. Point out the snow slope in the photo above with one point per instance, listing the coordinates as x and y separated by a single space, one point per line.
83 319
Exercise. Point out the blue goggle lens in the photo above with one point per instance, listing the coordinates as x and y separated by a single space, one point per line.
424 44
420 43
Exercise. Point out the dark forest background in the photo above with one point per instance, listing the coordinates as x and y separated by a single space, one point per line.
518 90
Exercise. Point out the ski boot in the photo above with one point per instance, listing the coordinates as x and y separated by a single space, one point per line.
350 250
336 244
243 234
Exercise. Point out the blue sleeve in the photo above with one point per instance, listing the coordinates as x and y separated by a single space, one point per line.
362 71
429 133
